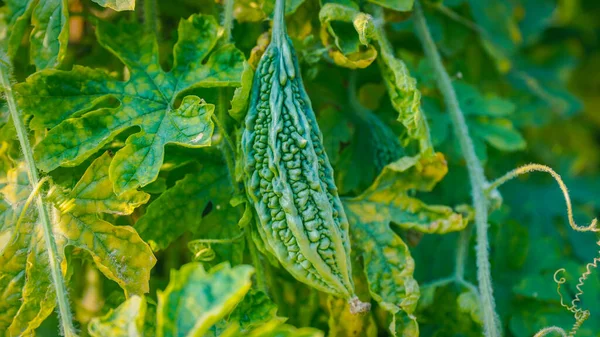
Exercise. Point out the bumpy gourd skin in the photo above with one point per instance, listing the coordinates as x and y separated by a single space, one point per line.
289 179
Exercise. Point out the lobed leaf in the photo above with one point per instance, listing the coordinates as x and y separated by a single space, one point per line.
125 321
85 121
253 311
388 264
118 251
196 299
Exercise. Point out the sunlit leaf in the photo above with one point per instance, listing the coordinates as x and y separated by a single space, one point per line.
86 121
344 324
118 5
125 321
338 32
195 299
253 311
388 264
118 251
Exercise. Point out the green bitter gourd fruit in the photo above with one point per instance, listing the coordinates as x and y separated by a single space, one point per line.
288 177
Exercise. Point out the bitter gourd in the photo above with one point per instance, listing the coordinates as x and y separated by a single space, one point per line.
288 177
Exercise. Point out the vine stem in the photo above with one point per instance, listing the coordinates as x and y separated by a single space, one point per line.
491 321
64 310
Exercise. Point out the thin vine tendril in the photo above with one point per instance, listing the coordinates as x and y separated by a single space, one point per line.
202 250
543 168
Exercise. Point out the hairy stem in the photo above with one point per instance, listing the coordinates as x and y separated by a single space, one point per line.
44 218
491 321
228 19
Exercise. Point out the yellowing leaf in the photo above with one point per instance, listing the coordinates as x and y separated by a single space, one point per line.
339 33
125 321
406 98
344 324
388 264
117 250
196 299
118 5
275 329
86 121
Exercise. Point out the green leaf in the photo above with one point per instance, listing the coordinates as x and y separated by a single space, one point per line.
239 102
334 125
397 5
180 209
25 284
49 36
118 5
86 121
275 329
405 98
117 250
388 264
196 299
125 321
502 35
253 311
339 33
488 119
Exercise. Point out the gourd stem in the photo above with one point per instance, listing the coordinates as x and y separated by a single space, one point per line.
44 218
279 31
491 321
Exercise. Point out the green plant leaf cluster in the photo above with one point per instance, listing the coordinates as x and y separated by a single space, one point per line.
135 115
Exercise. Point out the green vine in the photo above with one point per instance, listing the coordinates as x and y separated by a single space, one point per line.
491 321
64 310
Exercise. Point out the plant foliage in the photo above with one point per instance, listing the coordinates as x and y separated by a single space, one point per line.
125 207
